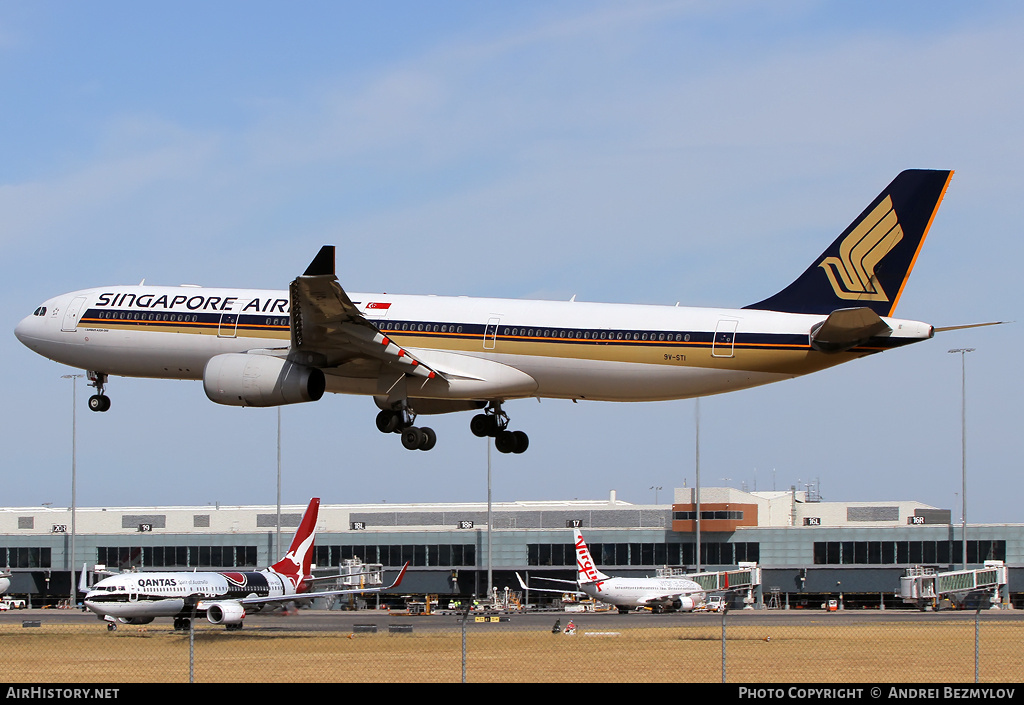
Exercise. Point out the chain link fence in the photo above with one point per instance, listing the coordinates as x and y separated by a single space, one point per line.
733 647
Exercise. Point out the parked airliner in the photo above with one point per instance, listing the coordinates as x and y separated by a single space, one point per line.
432 354
660 594
139 598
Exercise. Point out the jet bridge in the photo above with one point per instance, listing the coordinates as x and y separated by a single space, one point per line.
924 587
747 576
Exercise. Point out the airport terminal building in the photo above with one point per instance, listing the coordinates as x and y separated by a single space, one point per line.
807 549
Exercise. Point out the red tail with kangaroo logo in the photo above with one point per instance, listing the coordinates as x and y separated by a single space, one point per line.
295 566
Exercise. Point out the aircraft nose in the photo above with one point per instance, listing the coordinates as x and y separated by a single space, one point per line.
21 331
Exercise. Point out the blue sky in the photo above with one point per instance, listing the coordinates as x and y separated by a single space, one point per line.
647 152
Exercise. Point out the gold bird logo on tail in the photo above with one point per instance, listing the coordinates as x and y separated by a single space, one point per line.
852 274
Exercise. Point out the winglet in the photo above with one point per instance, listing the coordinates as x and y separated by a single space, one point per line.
83 580
398 580
322 264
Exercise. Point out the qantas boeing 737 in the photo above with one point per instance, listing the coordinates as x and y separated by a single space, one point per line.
432 354
139 598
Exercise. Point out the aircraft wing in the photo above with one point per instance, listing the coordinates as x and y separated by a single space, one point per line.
327 329
575 585
338 576
654 598
309 595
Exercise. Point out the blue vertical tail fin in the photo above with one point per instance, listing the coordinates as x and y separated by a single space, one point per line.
869 263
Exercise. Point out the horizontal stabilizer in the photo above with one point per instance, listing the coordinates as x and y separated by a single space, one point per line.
970 325
846 328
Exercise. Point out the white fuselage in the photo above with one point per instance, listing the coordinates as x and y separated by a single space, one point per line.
149 595
632 592
496 348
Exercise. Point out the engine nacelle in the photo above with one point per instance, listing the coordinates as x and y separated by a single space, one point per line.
686 604
240 379
225 613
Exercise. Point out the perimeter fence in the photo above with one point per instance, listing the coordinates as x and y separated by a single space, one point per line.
735 647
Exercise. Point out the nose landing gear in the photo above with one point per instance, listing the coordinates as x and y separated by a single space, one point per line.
98 401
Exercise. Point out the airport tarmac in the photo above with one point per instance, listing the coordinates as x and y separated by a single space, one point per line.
347 621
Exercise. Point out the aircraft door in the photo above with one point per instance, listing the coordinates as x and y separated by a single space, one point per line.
725 339
228 325
491 332
71 315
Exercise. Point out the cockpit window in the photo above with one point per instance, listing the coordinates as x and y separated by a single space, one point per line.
41 311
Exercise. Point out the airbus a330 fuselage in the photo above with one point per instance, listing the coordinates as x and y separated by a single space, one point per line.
435 354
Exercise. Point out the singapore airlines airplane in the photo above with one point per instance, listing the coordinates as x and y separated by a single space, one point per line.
138 598
432 354
660 594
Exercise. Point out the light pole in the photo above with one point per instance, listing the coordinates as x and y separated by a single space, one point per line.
74 436
277 537
963 446
655 488
696 492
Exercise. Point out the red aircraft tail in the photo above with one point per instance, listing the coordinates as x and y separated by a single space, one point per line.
295 566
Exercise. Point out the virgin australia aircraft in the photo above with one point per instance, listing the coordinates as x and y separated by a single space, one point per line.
431 354
139 598
659 594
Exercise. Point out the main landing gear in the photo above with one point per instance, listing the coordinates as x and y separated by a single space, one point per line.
494 423
98 401
401 421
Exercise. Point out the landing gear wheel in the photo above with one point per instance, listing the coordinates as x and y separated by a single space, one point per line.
111 627
482 425
99 402
429 438
181 624
505 442
389 421
494 422
412 438
522 441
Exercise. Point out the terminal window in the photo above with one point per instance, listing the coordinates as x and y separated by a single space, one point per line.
905 552
25 557
707 515
447 555
123 557
647 554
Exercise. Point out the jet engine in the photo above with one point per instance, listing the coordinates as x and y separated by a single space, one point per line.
683 603
240 379
225 613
